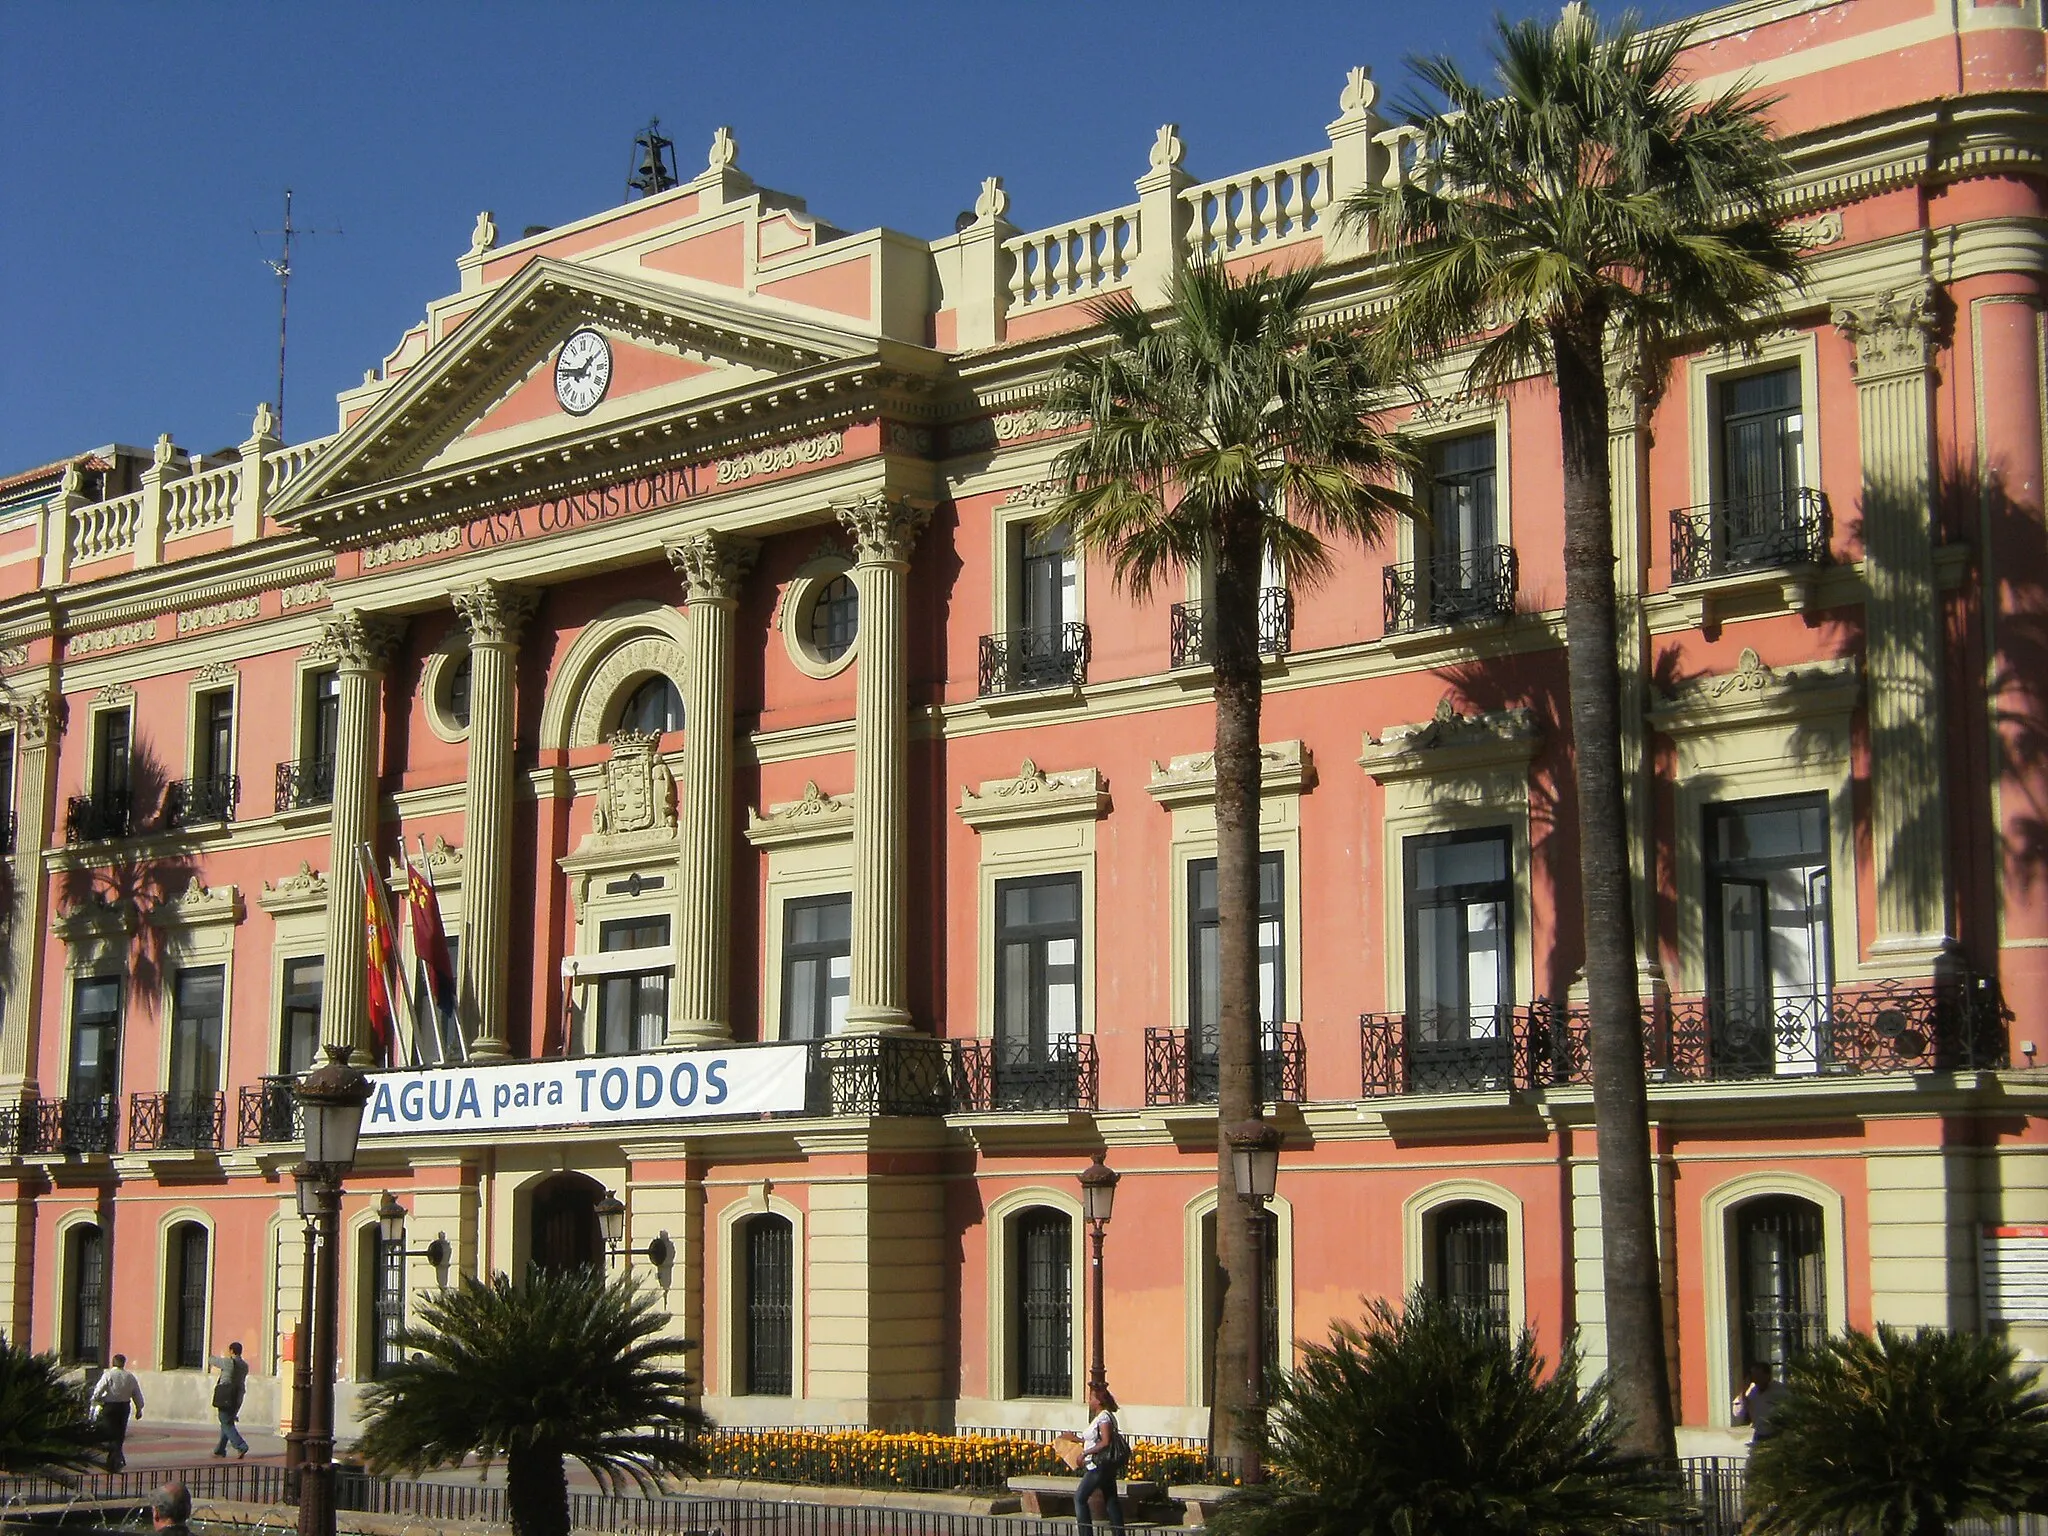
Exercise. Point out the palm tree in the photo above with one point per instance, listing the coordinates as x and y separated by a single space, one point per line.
566 1365
1231 430
1597 213
1433 1420
1902 1434
44 1426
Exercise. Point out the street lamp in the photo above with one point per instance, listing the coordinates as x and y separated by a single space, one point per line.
307 1188
1255 1169
1098 1197
332 1097
391 1227
611 1222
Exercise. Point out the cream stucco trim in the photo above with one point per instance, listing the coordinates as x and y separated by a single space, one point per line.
435 680
997 1226
85 962
60 1265
580 695
793 617
1705 370
760 1201
167 1224
201 948
210 680
308 666
1418 1251
1195 1284
1721 1288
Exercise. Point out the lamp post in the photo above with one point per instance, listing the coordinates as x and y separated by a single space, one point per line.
332 1096
1255 1168
302 1341
1098 1197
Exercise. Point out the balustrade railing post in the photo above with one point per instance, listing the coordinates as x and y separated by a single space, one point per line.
1352 153
249 494
1164 219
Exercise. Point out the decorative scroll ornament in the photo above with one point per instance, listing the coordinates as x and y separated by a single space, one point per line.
993 203
1285 768
307 883
1893 332
639 792
713 565
36 718
884 527
216 672
485 236
264 426
1752 674
115 693
813 804
359 641
1815 233
1035 795
1358 96
1167 149
495 612
166 452
725 151
199 903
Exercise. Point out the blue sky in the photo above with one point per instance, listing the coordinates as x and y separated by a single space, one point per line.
141 145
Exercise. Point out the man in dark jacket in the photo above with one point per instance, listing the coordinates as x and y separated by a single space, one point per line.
227 1399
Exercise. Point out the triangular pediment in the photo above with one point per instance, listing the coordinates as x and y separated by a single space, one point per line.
488 388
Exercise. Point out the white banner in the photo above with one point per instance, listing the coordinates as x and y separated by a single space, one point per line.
589 1091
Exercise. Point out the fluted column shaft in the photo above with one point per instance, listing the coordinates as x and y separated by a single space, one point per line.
713 567
885 529
360 645
495 614
1893 335
35 718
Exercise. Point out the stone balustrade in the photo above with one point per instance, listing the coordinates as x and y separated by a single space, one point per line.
1257 210
201 502
104 528
1075 260
287 464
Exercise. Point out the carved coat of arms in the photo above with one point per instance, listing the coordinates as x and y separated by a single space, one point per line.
639 792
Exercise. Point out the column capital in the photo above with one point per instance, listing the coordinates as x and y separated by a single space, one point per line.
36 718
713 565
884 527
359 641
1894 331
494 611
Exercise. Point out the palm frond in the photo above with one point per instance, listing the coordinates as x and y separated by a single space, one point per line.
44 1430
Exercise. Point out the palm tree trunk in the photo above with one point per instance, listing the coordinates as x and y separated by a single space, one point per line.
537 1492
1629 1258
1234 642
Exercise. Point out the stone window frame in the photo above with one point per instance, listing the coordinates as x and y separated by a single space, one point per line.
352 1324
436 677
793 616
201 685
116 701
1418 1246
298 911
65 1309
99 967
1023 506
596 909
1721 1277
1195 1283
1760 733
1005 1371
808 844
589 682
1706 371
1441 422
731 1299
306 669
1185 786
198 934
167 1226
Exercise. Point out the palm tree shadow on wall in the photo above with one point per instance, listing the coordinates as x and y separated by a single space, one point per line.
112 892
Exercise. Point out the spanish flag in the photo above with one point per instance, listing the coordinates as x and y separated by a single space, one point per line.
380 952
430 945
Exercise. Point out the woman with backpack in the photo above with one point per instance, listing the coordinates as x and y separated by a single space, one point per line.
1105 1454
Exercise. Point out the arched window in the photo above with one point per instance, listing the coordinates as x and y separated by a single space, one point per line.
85 1278
1470 1250
834 618
1043 1322
653 706
767 1256
185 1298
1781 1253
565 1232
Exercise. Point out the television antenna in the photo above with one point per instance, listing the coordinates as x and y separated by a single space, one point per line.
282 269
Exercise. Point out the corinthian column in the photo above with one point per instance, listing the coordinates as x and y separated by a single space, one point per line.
712 566
360 644
36 718
884 528
495 614
1894 335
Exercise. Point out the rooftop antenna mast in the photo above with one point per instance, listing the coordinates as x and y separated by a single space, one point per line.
282 267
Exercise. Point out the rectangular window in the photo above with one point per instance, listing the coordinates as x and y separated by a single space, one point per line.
112 729
1768 970
1045 1304
817 966
632 1009
87 1267
387 1302
1460 951
215 757
1204 964
770 1289
1046 578
1038 964
299 1014
196 1008
95 1037
323 715
1763 435
1461 498
188 1315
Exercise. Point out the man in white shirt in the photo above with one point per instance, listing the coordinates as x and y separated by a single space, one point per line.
114 1396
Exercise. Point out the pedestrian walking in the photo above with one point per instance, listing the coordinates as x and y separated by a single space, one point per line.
1104 1455
228 1393
1759 1403
115 1396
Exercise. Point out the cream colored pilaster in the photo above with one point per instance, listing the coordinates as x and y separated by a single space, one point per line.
448 1212
360 645
36 718
885 529
1628 476
495 614
1589 1285
672 1208
18 1262
1894 335
1923 1237
713 566
249 496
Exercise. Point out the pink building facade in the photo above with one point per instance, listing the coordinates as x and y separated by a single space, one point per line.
675 588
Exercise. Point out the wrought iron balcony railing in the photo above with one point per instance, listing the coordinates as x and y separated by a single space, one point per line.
1188 638
1748 533
1025 660
1472 1050
305 783
1013 1075
17 1129
879 1075
76 1126
99 818
1181 1066
1451 589
194 1122
268 1112
201 802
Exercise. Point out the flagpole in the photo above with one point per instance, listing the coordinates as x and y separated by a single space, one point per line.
401 1007
427 870
413 970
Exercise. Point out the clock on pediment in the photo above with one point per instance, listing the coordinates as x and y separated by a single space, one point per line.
583 371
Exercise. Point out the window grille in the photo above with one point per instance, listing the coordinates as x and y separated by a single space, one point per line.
1045 1305
189 1252
88 1273
770 1311
1782 1249
1472 1260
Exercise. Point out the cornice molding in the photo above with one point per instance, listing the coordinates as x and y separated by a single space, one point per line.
814 817
1285 768
303 891
1450 742
1756 693
1033 796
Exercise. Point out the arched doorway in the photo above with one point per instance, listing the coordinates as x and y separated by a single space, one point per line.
564 1217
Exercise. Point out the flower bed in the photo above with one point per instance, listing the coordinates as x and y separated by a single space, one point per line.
865 1458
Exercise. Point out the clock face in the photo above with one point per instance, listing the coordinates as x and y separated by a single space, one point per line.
583 372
